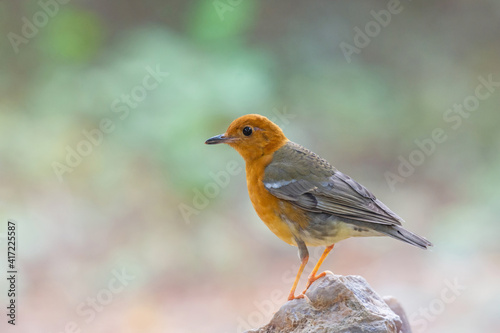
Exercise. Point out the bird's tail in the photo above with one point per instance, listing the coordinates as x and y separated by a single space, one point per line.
398 232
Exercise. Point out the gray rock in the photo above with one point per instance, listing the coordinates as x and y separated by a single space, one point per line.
340 304
398 309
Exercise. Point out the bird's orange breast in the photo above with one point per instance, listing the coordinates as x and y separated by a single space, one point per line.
269 208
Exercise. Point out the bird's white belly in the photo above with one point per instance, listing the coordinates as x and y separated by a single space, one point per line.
338 232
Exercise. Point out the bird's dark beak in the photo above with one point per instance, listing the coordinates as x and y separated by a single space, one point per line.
222 138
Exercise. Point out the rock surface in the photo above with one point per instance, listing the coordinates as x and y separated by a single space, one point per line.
341 304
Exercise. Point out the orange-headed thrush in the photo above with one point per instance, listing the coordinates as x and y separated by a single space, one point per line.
302 198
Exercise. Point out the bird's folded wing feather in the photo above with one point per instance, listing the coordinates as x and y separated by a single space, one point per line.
337 194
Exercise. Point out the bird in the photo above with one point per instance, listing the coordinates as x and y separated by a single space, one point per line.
302 198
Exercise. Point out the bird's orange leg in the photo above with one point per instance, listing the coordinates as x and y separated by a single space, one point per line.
313 277
297 278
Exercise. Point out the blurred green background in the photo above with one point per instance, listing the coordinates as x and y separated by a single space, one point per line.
104 109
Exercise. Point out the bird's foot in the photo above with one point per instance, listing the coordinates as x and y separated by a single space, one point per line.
291 297
313 278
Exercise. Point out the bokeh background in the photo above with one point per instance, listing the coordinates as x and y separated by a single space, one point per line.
142 202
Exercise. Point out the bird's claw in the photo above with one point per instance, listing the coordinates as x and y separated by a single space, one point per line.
313 278
297 297
292 297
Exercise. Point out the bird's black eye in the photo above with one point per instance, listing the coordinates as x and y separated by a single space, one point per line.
247 131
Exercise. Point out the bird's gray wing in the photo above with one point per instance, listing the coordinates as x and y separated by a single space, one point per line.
335 194
345 197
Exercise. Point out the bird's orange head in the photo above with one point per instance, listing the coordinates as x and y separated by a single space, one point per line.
253 136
